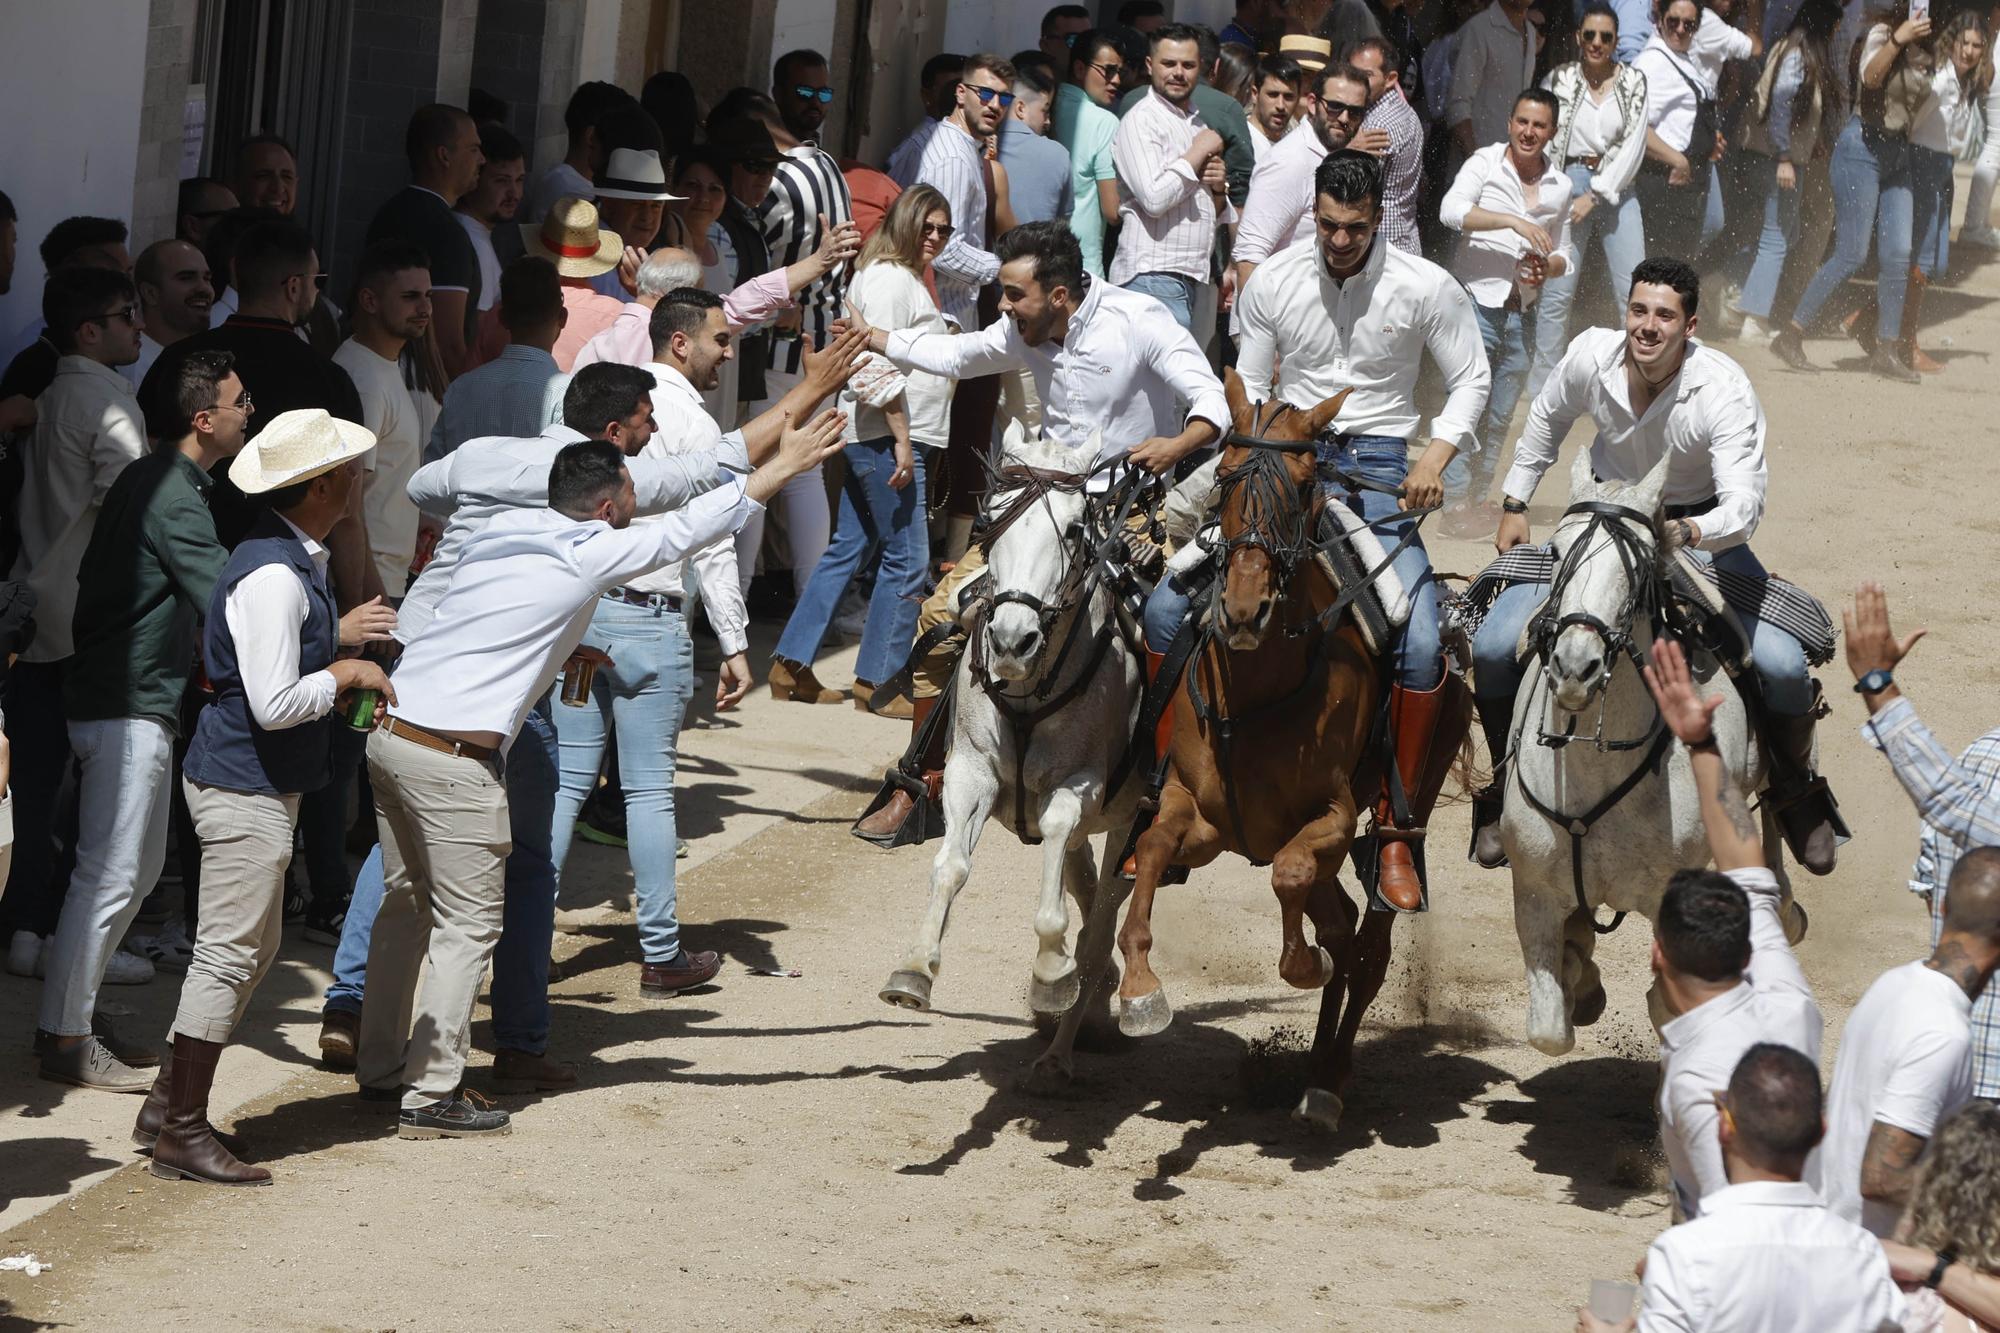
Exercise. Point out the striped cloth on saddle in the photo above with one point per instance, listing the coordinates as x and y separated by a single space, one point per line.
1773 600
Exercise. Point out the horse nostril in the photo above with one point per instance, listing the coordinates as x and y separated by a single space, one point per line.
1591 667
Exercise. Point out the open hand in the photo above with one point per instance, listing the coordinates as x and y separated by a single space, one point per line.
1871 644
370 622
1684 709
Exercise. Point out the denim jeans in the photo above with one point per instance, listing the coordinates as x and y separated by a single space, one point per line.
521 960
1781 230
1621 232
1777 658
1379 458
1172 290
875 521
644 691
1932 184
1507 334
1871 202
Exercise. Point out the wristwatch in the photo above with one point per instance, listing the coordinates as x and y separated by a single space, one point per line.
1945 1259
1874 682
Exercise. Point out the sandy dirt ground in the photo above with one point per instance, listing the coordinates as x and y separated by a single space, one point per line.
793 1151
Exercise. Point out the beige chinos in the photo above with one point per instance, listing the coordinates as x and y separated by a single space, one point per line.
246 843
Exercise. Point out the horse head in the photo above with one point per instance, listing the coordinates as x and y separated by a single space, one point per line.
1036 515
1270 507
1607 569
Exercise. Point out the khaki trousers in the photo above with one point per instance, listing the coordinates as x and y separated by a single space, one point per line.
246 843
933 674
445 839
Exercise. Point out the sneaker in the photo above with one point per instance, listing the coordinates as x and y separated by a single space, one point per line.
92 1065
339 1034
1755 330
1985 237
463 1115
323 927
298 898
600 828
24 954
127 969
168 951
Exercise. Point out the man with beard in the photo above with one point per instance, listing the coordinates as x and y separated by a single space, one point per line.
175 295
485 209
1280 210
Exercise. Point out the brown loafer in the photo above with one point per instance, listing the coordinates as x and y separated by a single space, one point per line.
518 1071
684 973
338 1032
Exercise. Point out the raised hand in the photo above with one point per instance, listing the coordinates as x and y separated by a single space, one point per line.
1871 644
1684 709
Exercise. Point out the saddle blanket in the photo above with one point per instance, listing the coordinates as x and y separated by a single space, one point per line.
1774 601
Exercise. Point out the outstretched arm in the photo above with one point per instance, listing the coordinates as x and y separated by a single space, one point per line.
1732 833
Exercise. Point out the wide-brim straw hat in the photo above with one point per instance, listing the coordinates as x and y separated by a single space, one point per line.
297 446
1313 53
570 238
634 173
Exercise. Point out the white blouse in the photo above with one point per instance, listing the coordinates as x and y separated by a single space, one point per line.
1597 123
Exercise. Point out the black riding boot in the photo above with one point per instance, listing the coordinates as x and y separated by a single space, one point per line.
1496 719
1808 815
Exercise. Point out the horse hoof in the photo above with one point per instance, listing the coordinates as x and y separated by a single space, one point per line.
908 990
1589 1006
1796 924
1054 997
1322 971
1557 1044
1048 1075
1319 1110
1146 1015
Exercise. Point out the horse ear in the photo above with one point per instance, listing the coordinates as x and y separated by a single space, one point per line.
1322 416
1649 490
1232 392
1014 439
1582 481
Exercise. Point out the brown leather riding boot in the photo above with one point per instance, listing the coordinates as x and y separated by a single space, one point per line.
1413 720
1807 814
1163 742
794 682
187 1148
1913 315
146 1129
884 822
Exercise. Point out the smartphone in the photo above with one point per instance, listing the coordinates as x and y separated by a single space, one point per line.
1919 10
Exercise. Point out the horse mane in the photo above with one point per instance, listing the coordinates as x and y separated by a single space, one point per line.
1048 454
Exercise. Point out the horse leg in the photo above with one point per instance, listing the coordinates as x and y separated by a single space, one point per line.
1539 920
1581 979
969 792
1097 975
1357 975
1143 1007
1790 910
1052 988
1311 858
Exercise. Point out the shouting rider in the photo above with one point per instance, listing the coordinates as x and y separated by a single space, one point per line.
1654 390
1104 360
1346 310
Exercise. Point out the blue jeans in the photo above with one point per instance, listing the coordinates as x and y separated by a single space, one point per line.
521 960
1777 658
1932 184
1871 202
1172 290
644 691
1621 232
874 521
1507 334
1378 458
1781 228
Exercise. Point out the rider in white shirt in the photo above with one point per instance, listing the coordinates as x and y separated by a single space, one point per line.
1653 390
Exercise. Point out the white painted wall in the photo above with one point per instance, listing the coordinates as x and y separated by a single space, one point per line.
73 110
797 24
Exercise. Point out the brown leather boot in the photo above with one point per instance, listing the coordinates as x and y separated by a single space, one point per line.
187 1148
146 1129
1913 314
885 821
1413 720
1163 743
1808 816
794 681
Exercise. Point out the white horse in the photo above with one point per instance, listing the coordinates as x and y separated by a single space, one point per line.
1585 727
1044 643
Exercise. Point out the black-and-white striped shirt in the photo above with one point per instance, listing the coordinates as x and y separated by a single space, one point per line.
807 186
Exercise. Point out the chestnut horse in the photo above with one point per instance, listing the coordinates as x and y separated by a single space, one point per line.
1270 743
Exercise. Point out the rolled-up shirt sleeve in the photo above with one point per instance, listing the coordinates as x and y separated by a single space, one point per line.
757 300
1455 344
1157 178
1736 451
722 596
1464 192
264 612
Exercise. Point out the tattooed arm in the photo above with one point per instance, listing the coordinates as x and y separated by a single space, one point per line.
1889 1163
1733 837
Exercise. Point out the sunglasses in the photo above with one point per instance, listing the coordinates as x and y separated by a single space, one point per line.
1680 25
318 280
128 313
1110 73
808 93
242 404
941 230
1341 110
1597 38
986 95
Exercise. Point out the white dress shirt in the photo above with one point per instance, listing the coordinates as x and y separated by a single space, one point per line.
87 430
1905 1061
1367 334
685 427
521 600
149 352
1699 1049
1485 259
1671 83
1123 368
482 479
264 612
1167 217
1715 43
952 164
1491 62
1707 417
1279 212
1767 1256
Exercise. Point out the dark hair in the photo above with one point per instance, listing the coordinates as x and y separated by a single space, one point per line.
1660 9
683 310
485 108
530 292
195 381
76 295
1089 43
1774 1102
1703 925
589 104
189 197
78 233
628 126
1235 71
781 68
387 257
1666 271
267 255
669 99
1816 22
498 144
1037 77
1342 73
604 392
7 213
431 127
585 471
702 155
992 62
288 497
1347 176
1599 9
939 64
1062 12
742 104
1280 67
1169 32
1543 98
1053 246
227 234
1392 58
1132 11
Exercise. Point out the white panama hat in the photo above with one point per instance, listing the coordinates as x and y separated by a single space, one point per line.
297 446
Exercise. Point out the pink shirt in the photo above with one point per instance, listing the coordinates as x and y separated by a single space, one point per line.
628 339
590 313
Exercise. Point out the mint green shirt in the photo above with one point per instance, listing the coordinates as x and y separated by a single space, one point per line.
1086 130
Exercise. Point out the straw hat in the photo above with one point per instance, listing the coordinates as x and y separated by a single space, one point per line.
297 446
1313 53
570 238
634 173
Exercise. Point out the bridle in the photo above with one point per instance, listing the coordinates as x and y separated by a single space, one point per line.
1274 521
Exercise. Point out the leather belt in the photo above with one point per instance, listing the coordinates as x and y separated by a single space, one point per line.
432 740
1693 509
652 601
1590 161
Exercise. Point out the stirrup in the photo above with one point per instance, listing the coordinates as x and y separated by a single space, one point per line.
924 822
1487 806
1366 857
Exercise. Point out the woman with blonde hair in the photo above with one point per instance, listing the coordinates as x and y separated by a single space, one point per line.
889 415
1948 1246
